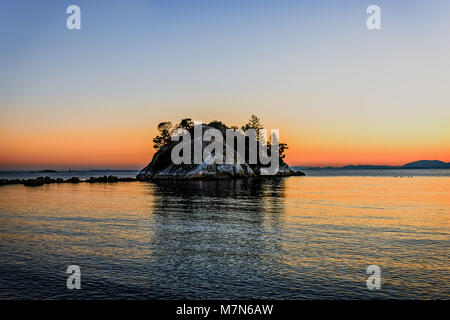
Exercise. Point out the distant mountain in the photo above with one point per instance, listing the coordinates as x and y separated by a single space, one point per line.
422 164
427 164
367 166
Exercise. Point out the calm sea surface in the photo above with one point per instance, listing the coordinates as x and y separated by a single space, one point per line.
285 238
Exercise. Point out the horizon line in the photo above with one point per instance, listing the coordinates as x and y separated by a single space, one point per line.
57 168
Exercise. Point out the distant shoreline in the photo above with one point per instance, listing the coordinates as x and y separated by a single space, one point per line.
421 164
364 168
312 172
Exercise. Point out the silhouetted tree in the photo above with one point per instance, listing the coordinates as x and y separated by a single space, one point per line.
186 124
219 125
281 148
165 130
254 123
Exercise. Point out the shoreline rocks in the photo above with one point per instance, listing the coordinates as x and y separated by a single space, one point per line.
40 181
33 183
218 176
109 179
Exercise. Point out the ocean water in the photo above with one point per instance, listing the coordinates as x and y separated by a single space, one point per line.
283 238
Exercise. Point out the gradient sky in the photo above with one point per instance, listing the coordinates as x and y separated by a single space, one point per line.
339 93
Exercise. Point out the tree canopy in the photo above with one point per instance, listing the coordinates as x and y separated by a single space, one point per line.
254 123
166 130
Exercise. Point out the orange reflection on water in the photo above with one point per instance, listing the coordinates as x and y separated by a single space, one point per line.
297 237
422 202
398 223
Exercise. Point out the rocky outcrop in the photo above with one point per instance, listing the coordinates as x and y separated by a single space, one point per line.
40 181
162 167
33 183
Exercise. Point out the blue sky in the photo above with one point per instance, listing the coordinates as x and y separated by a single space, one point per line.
135 63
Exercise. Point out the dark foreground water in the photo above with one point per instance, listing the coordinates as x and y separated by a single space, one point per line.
286 238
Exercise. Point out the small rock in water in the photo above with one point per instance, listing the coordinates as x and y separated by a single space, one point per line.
113 179
33 182
73 180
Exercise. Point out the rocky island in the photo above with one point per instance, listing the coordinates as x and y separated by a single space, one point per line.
163 167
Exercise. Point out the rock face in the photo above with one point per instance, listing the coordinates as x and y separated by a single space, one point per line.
162 167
